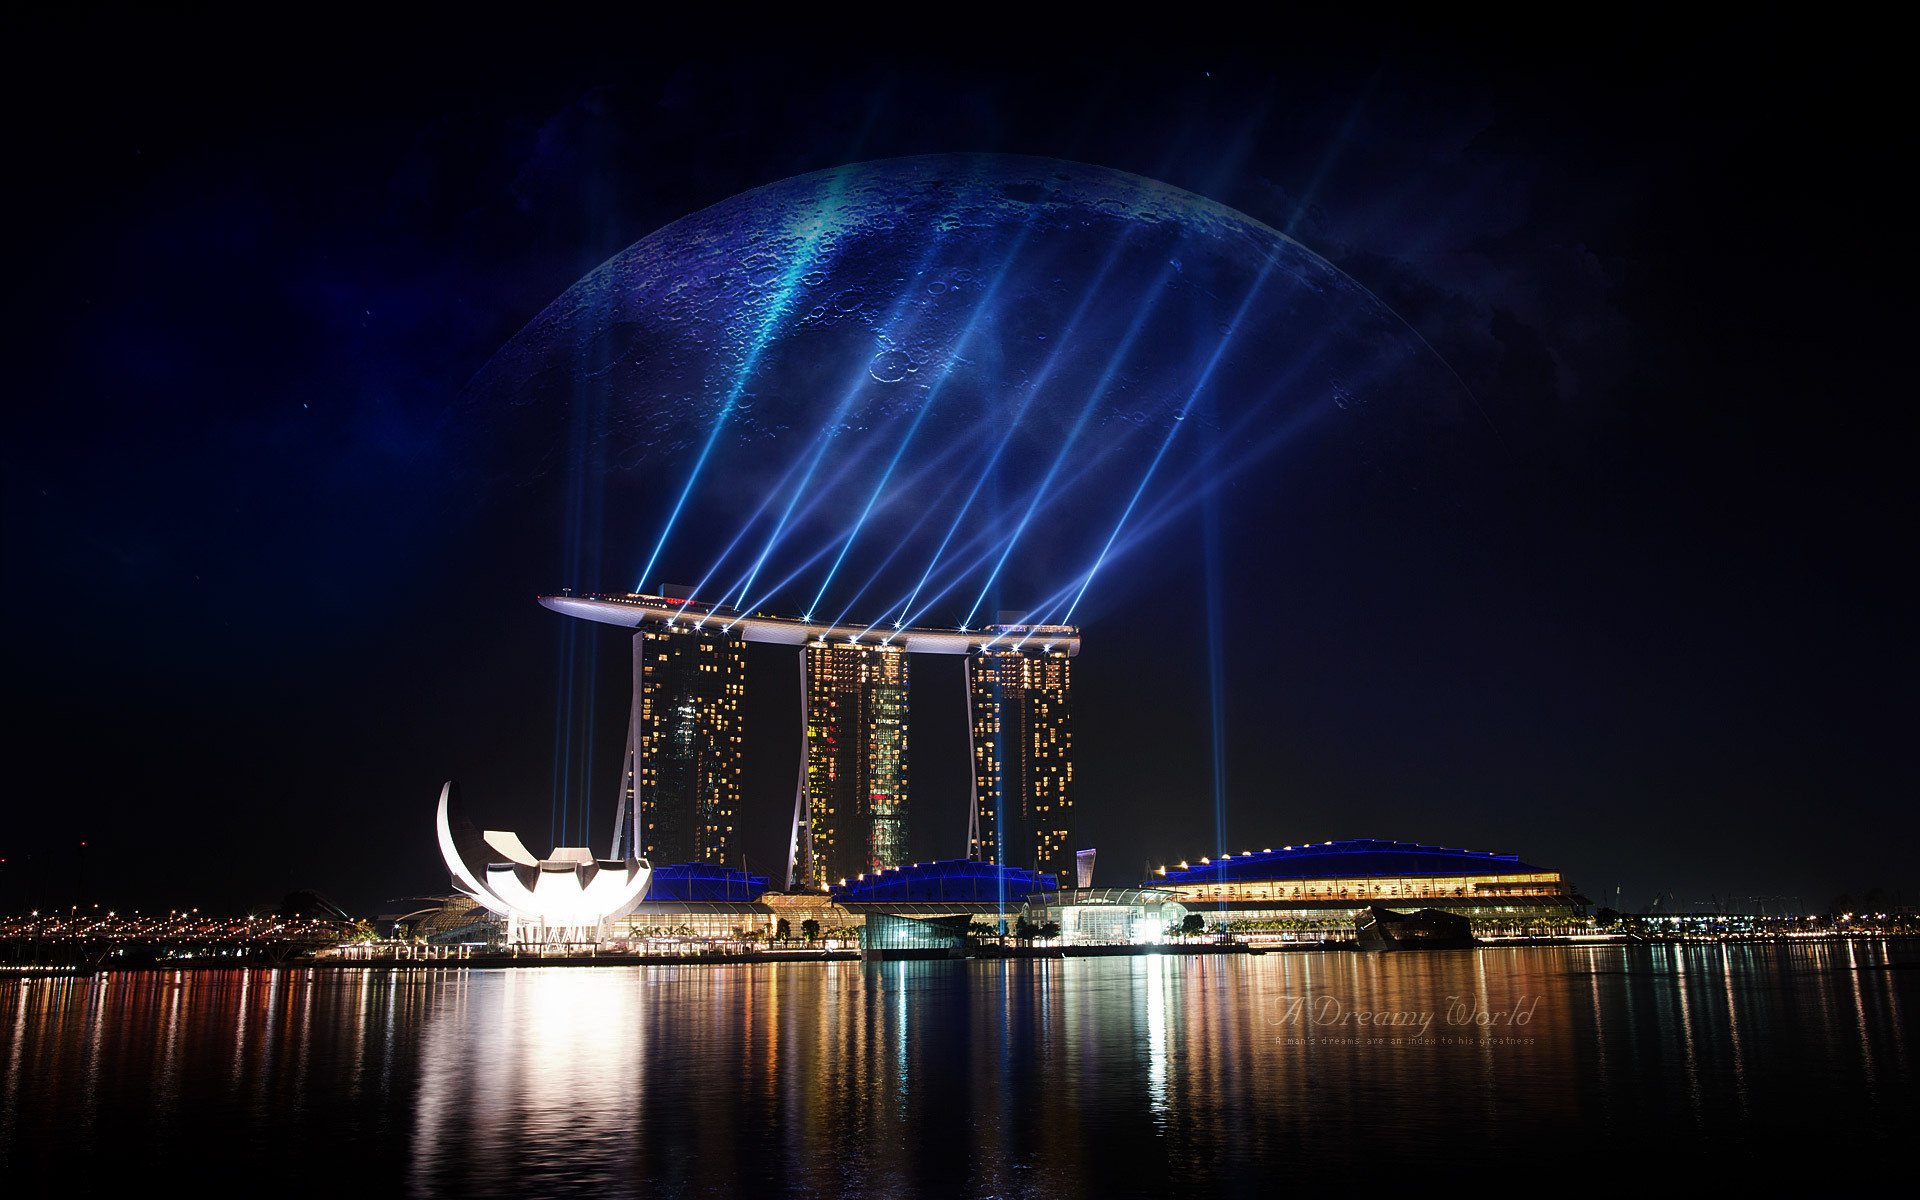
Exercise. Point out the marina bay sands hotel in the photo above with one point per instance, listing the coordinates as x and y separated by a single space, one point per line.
685 736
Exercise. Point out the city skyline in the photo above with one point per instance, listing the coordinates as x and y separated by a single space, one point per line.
291 563
604 607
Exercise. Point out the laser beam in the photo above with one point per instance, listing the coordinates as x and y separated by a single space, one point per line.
1032 391
766 499
989 535
986 303
1166 443
1094 396
855 384
935 464
776 310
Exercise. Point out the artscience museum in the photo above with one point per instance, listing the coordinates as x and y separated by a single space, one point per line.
568 897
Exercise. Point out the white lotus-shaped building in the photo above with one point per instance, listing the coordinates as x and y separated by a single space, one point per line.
568 896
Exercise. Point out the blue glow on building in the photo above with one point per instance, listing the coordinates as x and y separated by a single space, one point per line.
1353 859
689 882
954 881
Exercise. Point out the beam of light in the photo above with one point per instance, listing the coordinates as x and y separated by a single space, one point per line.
584 523
827 548
856 383
586 753
817 497
780 525
1200 476
874 496
1206 475
1327 160
986 303
900 543
1179 419
1216 669
747 610
909 614
1235 154
989 537
771 319
1092 402
562 726
589 531
766 498
913 427
1042 613
907 488
992 539
1288 431
1152 520
958 570
823 441
1031 392
937 463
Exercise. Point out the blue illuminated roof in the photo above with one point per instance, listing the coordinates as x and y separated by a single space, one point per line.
689 882
955 880
1358 858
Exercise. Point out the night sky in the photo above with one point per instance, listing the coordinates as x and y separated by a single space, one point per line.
259 608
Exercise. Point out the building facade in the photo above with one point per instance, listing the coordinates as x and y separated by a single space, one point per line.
856 768
1109 916
850 814
1325 885
1019 692
680 783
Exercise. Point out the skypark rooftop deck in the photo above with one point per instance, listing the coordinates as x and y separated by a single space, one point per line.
631 610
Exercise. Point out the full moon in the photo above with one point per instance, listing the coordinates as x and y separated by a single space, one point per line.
902 389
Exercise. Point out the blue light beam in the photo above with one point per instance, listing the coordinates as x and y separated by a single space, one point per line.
994 539
855 384
770 321
1179 419
1033 390
1094 396
936 464
959 348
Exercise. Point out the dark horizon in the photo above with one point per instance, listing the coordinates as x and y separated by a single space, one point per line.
267 595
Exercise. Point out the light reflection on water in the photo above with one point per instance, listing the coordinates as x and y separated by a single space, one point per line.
1045 1078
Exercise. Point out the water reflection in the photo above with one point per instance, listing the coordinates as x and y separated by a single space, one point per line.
1084 1077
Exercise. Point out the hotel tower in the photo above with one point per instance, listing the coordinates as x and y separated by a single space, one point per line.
856 769
680 783
850 812
1019 691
